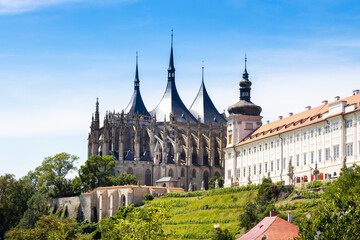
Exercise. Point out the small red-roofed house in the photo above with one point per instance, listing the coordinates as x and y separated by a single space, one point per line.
273 227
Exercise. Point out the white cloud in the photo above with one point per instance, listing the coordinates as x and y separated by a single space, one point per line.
21 6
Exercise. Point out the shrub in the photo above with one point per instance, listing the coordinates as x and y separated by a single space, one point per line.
148 197
219 234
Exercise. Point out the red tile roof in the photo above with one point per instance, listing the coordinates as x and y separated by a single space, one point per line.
299 120
274 228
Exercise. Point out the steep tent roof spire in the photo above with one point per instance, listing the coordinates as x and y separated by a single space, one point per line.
136 105
171 101
204 108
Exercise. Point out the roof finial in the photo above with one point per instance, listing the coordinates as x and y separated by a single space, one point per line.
202 76
136 81
172 37
245 62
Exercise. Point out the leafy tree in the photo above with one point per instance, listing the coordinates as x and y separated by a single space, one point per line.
250 216
212 182
338 216
14 195
37 207
148 197
219 234
95 173
254 212
123 179
52 172
48 227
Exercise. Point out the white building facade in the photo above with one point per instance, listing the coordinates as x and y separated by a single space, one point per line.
291 148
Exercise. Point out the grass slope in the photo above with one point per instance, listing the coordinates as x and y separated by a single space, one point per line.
194 217
195 214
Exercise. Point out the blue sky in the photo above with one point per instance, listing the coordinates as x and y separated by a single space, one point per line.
57 56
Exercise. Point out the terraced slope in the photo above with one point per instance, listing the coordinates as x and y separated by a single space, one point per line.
195 217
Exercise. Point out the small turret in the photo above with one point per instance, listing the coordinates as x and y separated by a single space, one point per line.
245 106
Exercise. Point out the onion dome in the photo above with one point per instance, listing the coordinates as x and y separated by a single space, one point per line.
245 106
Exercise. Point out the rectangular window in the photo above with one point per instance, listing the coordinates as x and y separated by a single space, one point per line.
229 174
312 157
249 170
290 139
260 148
254 149
336 151
304 135
284 141
266 167
244 172
327 154
297 137
265 146
327 129
272 144
244 152
254 169
278 142
230 138
319 155
335 126
238 172
278 165
297 160
349 149
290 161
229 155
249 150
272 166
260 168
238 154
312 133
284 163
348 123
304 158
319 131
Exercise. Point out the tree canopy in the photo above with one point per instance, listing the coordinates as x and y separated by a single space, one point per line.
95 173
338 215
51 175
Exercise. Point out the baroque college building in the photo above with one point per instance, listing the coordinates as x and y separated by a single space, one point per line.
311 145
168 146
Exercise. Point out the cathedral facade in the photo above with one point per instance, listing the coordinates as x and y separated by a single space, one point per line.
168 146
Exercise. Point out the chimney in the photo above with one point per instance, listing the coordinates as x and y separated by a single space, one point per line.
337 97
356 91
280 117
308 107
290 114
289 217
267 121
272 213
325 102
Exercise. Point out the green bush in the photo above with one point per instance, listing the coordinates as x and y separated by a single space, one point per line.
148 197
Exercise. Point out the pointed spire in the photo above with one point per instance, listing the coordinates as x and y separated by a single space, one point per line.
97 110
136 81
171 69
